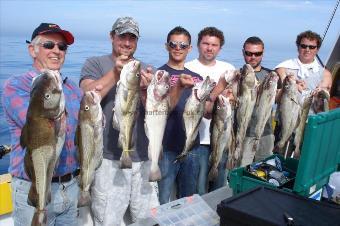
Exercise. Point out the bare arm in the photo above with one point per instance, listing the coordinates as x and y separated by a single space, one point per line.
185 81
105 83
326 82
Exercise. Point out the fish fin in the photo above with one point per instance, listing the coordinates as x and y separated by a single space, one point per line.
212 174
180 157
155 174
39 218
77 137
125 160
84 198
115 122
32 198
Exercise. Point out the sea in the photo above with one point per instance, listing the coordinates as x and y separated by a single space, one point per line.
15 59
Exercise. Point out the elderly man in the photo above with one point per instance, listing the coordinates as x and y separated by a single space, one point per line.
48 47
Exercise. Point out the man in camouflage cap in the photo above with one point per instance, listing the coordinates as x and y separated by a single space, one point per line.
114 189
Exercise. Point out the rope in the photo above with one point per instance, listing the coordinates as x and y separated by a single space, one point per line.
327 27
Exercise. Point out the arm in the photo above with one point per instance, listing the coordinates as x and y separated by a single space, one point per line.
185 81
107 81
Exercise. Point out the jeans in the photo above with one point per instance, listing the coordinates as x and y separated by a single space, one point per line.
204 153
61 211
184 172
220 181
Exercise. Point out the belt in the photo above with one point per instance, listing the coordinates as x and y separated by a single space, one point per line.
66 177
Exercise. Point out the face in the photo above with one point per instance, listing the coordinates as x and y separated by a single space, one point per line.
208 48
307 55
124 44
45 58
177 52
253 54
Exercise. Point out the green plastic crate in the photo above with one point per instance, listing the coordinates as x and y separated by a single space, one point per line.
320 156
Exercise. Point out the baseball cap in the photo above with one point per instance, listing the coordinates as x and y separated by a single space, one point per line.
126 25
47 28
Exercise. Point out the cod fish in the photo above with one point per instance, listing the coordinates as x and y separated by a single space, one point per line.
193 113
156 115
303 114
89 140
320 101
289 110
43 136
220 130
125 109
265 100
246 101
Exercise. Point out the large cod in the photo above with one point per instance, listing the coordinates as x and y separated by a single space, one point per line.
43 136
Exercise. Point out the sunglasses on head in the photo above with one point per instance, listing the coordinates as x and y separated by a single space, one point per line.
181 45
257 54
303 46
50 45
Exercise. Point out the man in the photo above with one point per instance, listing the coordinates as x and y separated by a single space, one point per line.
184 172
309 74
48 47
209 43
114 189
253 50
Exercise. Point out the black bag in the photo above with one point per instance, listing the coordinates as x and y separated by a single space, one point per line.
268 206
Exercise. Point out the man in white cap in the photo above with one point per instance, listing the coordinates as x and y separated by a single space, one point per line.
114 189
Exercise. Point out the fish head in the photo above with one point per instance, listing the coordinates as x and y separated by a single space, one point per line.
270 81
90 109
47 97
130 74
289 84
248 76
202 89
161 84
223 106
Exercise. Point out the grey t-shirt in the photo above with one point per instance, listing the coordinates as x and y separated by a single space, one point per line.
94 68
260 75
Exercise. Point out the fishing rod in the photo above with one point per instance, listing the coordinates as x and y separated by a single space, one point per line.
327 27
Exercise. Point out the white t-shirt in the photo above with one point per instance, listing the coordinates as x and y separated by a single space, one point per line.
214 72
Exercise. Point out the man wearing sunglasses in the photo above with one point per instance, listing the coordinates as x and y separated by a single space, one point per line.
115 189
209 43
47 48
183 172
309 74
253 49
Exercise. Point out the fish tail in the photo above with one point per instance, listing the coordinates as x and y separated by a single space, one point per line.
255 145
180 157
84 198
125 160
155 174
212 174
39 218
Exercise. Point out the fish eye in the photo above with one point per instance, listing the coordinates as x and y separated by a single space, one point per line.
87 108
137 75
218 107
167 87
287 86
47 96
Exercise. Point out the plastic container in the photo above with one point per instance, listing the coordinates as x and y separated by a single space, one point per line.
320 155
5 194
192 210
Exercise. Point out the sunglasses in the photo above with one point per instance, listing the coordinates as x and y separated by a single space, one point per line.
257 54
50 45
181 45
303 46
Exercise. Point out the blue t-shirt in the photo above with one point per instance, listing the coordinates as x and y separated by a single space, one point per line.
174 135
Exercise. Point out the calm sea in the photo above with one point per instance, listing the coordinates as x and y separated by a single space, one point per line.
14 59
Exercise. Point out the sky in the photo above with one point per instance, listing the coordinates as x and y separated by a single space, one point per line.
276 22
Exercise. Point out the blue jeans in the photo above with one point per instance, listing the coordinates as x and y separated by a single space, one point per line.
220 181
184 172
61 211
204 153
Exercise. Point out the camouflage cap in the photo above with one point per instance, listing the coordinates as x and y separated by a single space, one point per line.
126 25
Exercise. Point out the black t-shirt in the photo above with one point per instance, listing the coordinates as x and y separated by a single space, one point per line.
174 135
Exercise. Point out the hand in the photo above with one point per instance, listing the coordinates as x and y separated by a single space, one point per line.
146 76
186 81
119 64
229 93
301 85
